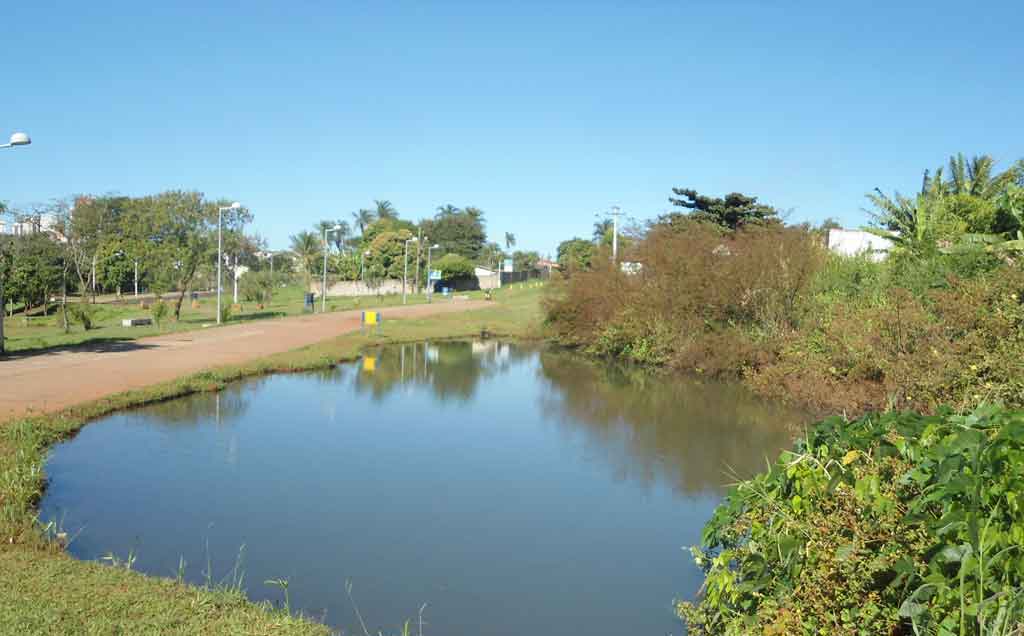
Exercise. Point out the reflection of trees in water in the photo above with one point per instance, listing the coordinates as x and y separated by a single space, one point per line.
452 369
695 435
223 406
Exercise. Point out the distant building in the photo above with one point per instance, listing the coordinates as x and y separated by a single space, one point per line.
858 242
544 264
45 223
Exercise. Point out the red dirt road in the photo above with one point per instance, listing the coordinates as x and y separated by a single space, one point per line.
48 381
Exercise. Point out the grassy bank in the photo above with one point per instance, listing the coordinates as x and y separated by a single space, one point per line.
46 591
45 331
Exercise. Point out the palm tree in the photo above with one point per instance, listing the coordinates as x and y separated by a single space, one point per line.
363 218
601 229
473 211
510 240
385 210
447 210
307 247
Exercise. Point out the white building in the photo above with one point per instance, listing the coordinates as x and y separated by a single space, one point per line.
857 242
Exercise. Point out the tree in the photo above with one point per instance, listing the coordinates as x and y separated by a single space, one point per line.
384 209
363 218
730 212
308 248
603 230
35 269
525 261
387 254
510 240
454 266
457 231
575 254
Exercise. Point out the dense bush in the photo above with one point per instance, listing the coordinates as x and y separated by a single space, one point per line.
771 306
893 524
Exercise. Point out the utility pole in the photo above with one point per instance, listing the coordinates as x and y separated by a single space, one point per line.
615 213
419 242
136 279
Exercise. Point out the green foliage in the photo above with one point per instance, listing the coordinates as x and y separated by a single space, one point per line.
574 255
525 261
159 311
899 523
457 231
730 212
225 313
82 313
308 249
257 287
453 266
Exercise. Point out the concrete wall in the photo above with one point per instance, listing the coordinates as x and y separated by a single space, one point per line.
357 288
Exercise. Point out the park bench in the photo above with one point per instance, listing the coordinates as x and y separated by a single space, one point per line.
136 322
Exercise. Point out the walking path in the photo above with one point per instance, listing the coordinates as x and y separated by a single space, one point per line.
51 380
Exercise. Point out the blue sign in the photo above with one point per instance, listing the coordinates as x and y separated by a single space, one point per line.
435 274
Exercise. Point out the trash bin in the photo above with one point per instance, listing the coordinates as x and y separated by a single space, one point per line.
195 295
310 296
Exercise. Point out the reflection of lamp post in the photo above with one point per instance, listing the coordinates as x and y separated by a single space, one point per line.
220 247
405 266
323 290
430 286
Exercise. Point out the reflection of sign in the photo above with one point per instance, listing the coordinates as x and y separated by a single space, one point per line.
369 363
371 317
508 265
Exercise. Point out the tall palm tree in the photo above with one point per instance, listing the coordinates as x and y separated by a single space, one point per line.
308 249
447 210
510 240
473 211
384 210
363 218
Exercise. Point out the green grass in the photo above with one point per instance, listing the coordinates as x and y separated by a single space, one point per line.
44 332
47 592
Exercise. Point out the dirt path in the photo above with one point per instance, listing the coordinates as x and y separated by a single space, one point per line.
51 380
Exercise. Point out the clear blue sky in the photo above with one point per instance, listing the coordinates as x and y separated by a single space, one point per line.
540 113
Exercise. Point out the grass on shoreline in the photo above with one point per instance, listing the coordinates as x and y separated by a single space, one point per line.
48 592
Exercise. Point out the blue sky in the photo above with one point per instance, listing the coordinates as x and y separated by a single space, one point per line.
542 114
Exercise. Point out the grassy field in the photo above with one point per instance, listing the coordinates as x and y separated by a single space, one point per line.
48 592
41 332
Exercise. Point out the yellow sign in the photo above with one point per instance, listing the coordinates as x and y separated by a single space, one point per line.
369 363
371 317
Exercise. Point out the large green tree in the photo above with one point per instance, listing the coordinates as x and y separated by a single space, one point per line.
575 254
458 231
730 212
308 250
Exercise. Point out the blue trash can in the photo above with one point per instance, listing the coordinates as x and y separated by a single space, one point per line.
310 296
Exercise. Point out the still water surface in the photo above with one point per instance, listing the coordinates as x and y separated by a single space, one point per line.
513 489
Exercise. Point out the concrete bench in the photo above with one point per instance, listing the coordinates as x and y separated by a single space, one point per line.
136 322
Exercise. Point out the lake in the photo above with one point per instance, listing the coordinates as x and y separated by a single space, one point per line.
511 489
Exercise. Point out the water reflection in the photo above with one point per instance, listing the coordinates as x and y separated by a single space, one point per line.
696 435
451 369
219 407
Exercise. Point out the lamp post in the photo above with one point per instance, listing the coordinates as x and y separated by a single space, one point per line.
270 255
405 266
430 286
323 289
220 250
17 139
362 266
615 214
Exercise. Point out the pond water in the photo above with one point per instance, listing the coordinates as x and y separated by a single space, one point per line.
512 489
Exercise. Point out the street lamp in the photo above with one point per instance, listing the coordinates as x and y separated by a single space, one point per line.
405 266
362 266
430 287
615 214
220 247
270 255
323 289
17 139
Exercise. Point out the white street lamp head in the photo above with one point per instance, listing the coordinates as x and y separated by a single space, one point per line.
435 246
236 205
20 139
336 227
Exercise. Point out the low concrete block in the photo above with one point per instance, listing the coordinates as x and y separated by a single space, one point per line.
136 322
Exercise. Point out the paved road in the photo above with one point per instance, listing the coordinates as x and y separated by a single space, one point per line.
51 380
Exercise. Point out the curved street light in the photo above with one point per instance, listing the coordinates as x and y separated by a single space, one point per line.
220 243
18 139
430 285
405 266
323 289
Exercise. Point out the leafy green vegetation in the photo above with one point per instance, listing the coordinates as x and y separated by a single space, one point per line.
890 524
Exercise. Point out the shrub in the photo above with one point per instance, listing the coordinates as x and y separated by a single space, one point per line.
159 312
82 313
453 266
257 286
892 524
225 313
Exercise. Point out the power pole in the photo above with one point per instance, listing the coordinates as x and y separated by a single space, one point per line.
615 214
